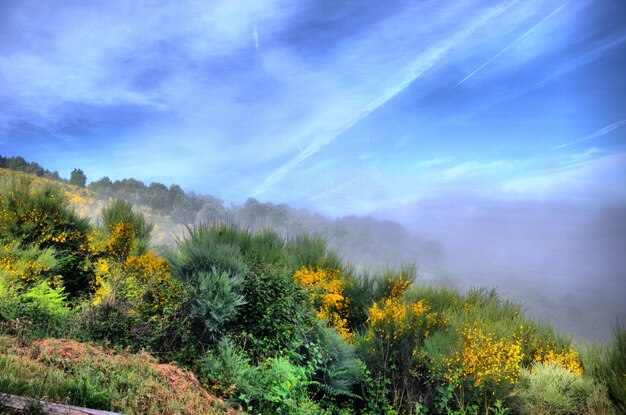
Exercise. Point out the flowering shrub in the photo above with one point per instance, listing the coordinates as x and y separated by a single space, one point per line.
483 359
394 339
38 221
121 240
145 280
326 290
566 358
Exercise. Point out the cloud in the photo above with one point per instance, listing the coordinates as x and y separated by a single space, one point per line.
515 42
327 132
435 161
470 167
599 133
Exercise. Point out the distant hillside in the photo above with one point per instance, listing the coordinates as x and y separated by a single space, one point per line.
364 242
367 243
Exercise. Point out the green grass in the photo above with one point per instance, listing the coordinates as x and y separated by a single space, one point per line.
80 374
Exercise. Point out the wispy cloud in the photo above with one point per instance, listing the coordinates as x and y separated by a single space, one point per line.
435 161
602 131
515 42
470 167
416 68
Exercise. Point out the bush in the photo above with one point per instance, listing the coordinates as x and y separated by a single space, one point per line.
277 314
215 302
549 389
41 309
114 321
127 232
607 365
40 218
312 252
199 252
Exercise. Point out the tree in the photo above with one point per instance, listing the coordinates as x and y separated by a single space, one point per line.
78 178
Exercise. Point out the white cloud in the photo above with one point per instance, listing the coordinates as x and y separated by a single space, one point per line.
435 161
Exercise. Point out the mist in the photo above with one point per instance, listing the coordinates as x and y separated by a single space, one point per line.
563 261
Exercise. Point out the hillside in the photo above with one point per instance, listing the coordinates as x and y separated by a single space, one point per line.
367 243
271 324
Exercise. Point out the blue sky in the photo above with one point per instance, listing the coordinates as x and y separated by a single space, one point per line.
363 107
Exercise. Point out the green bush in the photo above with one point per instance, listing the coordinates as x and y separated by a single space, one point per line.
335 369
114 321
312 252
127 231
43 308
277 314
200 252
552 390
607 365
275 386
228 372
39 217
215 302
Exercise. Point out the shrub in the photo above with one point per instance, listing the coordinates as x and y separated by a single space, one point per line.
228 372
333 364
127 232
200 252
312 252
275 386
42 308
550 389
607 365
23 266
215 302
276 315
477 366
40 218
392 344
326 289
115 321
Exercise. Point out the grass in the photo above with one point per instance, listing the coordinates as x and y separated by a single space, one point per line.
66 371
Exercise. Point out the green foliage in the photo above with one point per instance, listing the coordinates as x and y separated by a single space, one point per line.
228 372
78 178
44 304
43 308
335 367
127 230
277 314
312 252
552 390
275 386
115 322
215 303
40 218
607 365
200 252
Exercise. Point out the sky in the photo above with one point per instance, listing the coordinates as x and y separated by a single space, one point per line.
341 106
344 107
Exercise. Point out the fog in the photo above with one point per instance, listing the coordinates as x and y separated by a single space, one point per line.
565 262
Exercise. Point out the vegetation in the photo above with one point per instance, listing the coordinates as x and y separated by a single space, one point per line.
92 315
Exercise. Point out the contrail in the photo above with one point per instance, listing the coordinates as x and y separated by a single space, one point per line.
515 42
600 132
416 68
255 36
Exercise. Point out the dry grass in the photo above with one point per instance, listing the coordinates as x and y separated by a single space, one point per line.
66 371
